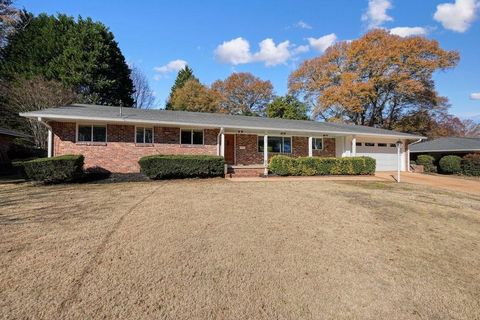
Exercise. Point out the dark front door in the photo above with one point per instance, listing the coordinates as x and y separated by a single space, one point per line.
230 149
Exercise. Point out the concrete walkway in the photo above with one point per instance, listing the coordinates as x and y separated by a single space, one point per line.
440 181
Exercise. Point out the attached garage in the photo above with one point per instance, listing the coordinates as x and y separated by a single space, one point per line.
385 152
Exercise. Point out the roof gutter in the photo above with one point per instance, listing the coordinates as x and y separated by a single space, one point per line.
202 125
451 150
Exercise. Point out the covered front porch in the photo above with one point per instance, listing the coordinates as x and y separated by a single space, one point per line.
247 153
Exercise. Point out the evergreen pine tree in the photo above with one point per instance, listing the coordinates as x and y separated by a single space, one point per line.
182 77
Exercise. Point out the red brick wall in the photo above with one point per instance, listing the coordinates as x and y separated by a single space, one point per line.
250 155
120 153
328 148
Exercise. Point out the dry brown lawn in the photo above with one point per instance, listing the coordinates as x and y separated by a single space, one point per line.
215 249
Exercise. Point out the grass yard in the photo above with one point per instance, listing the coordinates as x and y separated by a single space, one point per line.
215 249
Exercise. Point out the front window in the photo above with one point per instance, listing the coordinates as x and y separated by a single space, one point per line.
276 144
92 133
317 143
191 136
144 135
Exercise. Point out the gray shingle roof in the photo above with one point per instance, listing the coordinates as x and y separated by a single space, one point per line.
13 133
199 119
447 144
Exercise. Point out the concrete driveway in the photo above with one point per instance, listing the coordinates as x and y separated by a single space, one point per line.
453 183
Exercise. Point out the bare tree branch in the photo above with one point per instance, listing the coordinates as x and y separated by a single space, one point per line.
143 96
25 95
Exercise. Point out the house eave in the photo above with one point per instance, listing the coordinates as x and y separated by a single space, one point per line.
257 130
449 150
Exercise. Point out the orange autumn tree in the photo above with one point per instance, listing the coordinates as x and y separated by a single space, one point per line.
195 96
243 93
374 80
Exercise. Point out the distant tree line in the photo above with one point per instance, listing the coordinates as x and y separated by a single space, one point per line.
239 94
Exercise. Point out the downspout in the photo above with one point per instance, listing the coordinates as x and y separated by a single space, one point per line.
408 154
49 138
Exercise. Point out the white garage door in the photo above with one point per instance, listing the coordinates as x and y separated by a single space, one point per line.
384 152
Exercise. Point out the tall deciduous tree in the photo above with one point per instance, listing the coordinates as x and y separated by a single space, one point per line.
33 94
81 54
182 77
288 107
243 93
194 96
374 80
143 97
437 124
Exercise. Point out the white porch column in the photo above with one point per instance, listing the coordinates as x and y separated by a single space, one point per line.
265 154
310 147
49 142
354 146
399 160
222 146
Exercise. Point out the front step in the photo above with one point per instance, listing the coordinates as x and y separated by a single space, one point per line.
244 171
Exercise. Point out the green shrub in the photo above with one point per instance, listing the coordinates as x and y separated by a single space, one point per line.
182 166
324 166
317 166
471 164
450 164
282 165
427 162
370 165
57 169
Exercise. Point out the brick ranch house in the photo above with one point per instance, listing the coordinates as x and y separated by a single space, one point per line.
116 138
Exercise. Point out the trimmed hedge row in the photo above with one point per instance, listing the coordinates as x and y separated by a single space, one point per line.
317 166
470 164
182 166
56 169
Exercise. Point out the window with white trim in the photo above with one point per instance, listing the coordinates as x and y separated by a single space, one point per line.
276 144
144 135
92 133
317 143
382 145
191 136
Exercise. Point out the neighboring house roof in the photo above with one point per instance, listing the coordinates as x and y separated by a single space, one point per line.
13 133
81 112
449 144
